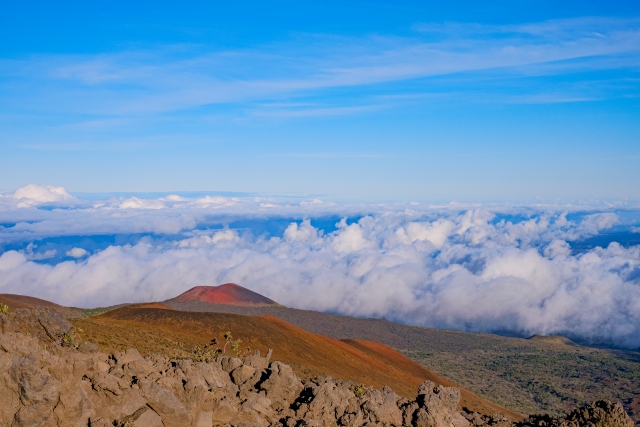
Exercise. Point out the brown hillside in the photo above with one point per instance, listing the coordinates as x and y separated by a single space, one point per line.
160 330
157 305
227 294
10 302
22 301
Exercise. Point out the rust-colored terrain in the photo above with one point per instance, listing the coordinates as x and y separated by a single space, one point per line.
10 302
176 333
14 301
227 294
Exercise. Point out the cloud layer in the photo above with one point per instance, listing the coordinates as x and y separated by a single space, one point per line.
477 268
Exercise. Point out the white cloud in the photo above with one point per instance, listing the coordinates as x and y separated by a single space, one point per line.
557 248
351 238
437 232
77 253
32 255
214 202
175 198
305 231
601 221
136 203
455 266
198 241
34 194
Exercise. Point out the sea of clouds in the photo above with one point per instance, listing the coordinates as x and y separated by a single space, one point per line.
492 268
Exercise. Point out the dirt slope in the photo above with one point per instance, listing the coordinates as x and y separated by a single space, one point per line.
374 364
22 301
11 302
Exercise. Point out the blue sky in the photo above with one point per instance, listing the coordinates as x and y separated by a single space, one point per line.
507 101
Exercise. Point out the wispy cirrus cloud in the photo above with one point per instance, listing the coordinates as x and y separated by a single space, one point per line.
179 77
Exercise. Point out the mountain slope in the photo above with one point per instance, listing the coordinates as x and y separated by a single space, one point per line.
15 301
542 374
155 329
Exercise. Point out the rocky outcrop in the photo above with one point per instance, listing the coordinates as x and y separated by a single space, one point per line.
601 413
47 382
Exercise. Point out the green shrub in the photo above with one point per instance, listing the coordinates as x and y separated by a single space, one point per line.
359 389
4 309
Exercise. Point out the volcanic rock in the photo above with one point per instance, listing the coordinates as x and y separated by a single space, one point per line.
62 386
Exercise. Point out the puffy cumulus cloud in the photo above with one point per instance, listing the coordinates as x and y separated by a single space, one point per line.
136 203
34 194
214 202
218 237
304 231
600 221
436 233
351 238
463 267
557 248
77 252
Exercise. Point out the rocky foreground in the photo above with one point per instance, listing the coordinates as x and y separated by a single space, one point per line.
49 380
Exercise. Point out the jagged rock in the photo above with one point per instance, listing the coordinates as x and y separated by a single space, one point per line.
437 407
42 322
139 368
103 381
124 357
165 403
282 385
230 363
255 409
143 417
54 323
258 362
241 374
225 410
324 401
599 413
215 377
49 385
39 392
6 325
479 420
381 407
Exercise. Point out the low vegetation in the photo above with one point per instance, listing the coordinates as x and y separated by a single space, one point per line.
88 312
532 378
539 375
